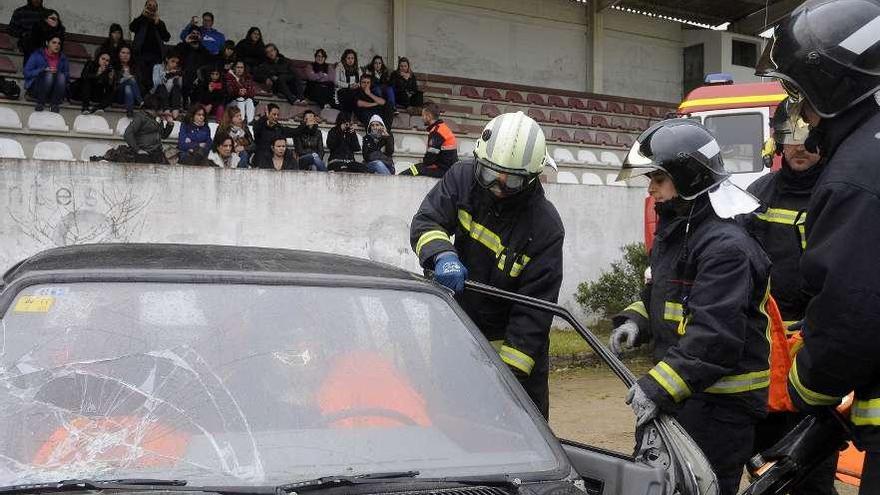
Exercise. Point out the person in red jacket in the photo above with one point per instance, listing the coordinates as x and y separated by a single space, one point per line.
241 90
442 148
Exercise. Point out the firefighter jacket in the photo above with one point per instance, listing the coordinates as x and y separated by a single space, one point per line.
441 152
841 271
513 244
704 310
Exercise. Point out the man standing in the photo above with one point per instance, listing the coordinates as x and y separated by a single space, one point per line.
826 54
212 39
442 148
22 22
150 35
507 234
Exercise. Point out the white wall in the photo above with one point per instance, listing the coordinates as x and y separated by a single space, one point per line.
45 204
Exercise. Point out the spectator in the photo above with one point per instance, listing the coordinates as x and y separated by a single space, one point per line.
251 49
234 126
46 28
144 135
193 59
194 138
113 44
406 88
319 81
227 56
369 104
46 74
168 83
378 148
442 147
241 89
212 94
381 80
97 83
222 154
266 129
23 20
280 159
309 143
278 75
343 143
212 39
150 35
128 90
347 81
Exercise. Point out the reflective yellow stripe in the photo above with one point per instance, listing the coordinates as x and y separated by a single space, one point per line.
788 323
780 215
480 233
431 235
774 98
414 170
803 232
501 261
745 382
809 396
517 359
673 311
638 307
670 381
518 267
865 412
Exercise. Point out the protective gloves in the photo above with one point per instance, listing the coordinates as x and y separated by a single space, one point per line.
644 408
623 337
449 271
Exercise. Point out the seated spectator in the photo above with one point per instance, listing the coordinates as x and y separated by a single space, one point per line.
23 20
369 104
211 93
378 148
251 49
48 27
240 88
193 59
128 90
266 130
281 159
381 80
194 137
343 143
212 39
46 75
406 88
347 82
442 147
227 56
113 44
278 75
222 154
168 84
143 136
234 126
319 80
150 35
97 83
309 143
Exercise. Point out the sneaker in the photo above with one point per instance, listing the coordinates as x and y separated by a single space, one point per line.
39 108
54 109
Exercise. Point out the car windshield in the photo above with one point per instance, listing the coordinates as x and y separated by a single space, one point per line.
251 384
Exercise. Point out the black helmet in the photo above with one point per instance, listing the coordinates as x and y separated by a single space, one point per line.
827 51
682 148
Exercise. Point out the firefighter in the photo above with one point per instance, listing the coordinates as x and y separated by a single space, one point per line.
442 148
778 225
704 304
826 54
507 234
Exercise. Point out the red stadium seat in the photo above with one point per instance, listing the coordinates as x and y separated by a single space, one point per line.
584 136
443 90
619 123
7 65
604 138
489 110
6 42
578 118
537 114
559 117
75 50
556 101
536 99
652 111
492 94
469 92
599 121
514 97
632 109
577 103
595 105
614 107
561 135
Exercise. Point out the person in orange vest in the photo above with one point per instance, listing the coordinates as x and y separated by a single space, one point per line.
442 148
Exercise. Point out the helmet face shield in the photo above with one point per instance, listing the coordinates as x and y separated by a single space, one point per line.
506 181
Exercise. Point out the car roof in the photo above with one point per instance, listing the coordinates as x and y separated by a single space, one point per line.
194 257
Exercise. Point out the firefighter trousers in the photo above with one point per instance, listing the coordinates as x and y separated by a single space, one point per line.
820 481
538 387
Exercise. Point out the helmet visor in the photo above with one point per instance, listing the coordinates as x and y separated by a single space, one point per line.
489 175
638 160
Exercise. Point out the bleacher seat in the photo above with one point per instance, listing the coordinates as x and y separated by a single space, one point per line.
492 94
619 122
590 179
556 101
93 149
454 126
562 155
588 157
611 180
565 177
600 121
53 150
625 140
213 127
536 99
121 125
6 42
578 118
469 92
9 118
614 107
47 121
595 106
329 115
489 110
537 114
92 124
444 90
75 50
604 138
417 124
76 69
412 144
401 121
639 124
577 103
609 158
584 136
632 109
560 135
10 148
515 97
7 65
559 117
653 112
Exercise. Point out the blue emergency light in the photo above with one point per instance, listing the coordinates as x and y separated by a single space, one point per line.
719 78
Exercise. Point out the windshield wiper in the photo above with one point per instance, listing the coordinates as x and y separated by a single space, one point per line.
331 481
79 485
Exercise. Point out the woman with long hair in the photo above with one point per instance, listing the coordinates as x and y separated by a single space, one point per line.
128 89
251 50
406 88
381 80
113 43
348 76
97 83
194 137
234 126
46 75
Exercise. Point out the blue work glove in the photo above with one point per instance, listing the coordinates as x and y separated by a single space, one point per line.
644 408
449 271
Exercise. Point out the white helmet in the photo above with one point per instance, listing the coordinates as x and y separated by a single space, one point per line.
512 144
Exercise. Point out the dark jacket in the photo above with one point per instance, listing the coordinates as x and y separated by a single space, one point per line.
514 244
89 78
379 148
381 78
402 85
189 138
308 140
272 69
193 58
704 310
263 137
146 133
251 54
113 50
442 147
23 20
40 33
207 94
342 145
149 37
841 272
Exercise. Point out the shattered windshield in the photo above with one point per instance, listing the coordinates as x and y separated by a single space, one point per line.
250 384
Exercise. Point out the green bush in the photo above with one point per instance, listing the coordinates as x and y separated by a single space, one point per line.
617 288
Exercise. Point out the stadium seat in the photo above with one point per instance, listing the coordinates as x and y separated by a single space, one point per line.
7 65
614 107
559 117
10 148
329 115
93 149
562 155
604 138
466 147
637 124
588 157
492 94
584 136
515 97
600 121
412 144
556 101
6 42
472 129
489 110
578 118
92 124
47 121
469 92
609 158
75 50
632 109
121 125
53 150
591 179
9 118
653 112
625 140
537 114
76 69
443 90
454 126
595 106
176 131
536 99
566 178
577 103
213 127
619 122
401 121
560 135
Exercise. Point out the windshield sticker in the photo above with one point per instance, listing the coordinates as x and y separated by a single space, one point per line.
34 304
51 291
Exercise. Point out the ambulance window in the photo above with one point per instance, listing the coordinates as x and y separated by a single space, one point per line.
740 137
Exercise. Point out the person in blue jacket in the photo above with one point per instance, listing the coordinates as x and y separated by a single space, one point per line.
46 74
194 138
212 39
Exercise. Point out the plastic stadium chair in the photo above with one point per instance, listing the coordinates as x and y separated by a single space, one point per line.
9 118
53 150
595 105
560 135
6 42
47 121
578 118
609 158
632 109
536 99
600 121
588 157
614 107
556 101
412 144
489 110
7 65
469 92
515 97
492 94
537 114
10 148
566 178
604 138
75 50
591 179
559 117
562 155
577 103
584 136
92 124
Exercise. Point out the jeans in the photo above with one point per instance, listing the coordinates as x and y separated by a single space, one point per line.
387 92
377 167
50 86
129 93
312 161
246 105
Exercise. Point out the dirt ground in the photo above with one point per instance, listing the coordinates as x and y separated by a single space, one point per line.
586 405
